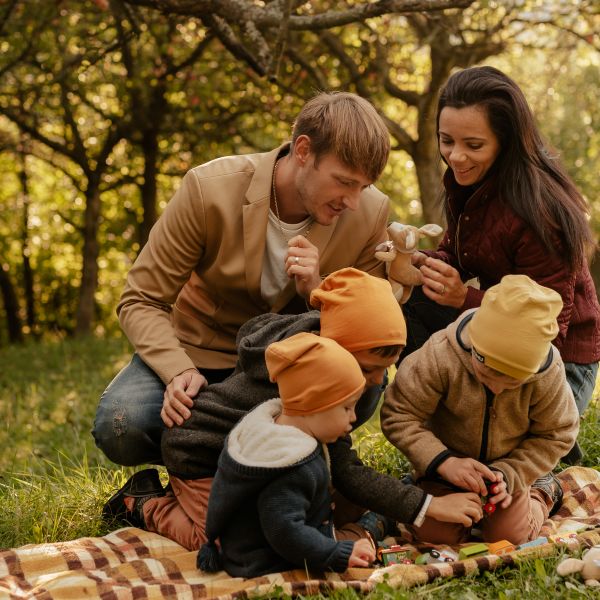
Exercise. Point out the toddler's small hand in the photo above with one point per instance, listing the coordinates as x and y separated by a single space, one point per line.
363 554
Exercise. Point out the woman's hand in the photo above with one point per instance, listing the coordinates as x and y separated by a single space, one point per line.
442 283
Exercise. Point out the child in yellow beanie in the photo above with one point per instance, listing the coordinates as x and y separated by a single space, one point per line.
486 400
270 505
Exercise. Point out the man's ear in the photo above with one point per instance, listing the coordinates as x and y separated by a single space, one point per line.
302 148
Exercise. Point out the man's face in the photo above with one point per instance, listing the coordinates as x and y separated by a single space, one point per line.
492 379
373 365
327 188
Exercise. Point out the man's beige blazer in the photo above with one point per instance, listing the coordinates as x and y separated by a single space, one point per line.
197 280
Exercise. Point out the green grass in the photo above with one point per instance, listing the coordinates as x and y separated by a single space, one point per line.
54 481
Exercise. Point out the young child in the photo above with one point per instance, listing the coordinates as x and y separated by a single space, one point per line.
270 504
487 399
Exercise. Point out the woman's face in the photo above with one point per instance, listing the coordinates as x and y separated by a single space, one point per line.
467 143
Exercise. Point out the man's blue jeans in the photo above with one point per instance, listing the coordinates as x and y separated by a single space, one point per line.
128 425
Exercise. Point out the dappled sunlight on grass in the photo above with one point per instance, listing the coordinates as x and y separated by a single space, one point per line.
54 481
48 398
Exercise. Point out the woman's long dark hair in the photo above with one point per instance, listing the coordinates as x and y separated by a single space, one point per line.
530 179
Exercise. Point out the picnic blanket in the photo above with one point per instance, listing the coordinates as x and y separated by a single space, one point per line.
131 563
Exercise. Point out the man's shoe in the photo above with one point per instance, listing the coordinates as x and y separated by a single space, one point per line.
140 487
550 485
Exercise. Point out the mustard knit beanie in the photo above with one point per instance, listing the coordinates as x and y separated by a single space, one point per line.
313 373
513 328
359 311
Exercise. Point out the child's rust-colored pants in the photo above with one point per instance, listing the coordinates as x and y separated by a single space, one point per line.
181 514
519 523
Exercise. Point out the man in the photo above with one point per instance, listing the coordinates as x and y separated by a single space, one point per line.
243 236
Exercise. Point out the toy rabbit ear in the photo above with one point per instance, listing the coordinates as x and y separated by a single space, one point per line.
569 566
410 241
431 229
395 227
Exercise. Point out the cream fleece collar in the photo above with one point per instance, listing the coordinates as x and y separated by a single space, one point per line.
257 441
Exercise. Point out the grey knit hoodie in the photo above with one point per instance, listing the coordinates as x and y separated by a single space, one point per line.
192 450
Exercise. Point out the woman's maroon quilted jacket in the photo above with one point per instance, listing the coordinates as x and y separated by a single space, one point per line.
486 239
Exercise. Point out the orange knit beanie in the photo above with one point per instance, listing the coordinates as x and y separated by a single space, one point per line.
313 373
359 311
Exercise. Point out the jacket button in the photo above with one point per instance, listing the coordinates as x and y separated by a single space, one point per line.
464 254
466 218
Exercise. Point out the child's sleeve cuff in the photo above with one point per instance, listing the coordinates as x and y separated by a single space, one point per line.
421 516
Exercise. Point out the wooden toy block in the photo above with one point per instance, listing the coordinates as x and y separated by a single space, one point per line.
501 547
395 555
473 550
537 542
567 537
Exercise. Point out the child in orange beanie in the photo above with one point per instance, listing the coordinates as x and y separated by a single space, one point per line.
270 505
487 399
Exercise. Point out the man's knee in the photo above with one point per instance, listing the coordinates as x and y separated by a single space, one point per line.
128 429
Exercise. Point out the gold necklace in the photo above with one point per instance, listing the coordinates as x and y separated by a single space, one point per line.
310 223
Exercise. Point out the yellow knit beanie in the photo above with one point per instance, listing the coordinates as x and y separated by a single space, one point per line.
513 328
313 373
359 311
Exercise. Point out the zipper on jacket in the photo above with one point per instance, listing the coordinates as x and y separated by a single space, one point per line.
489 400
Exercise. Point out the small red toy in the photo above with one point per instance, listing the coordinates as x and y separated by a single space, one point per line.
488 507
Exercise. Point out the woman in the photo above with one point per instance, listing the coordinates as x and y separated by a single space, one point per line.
511 208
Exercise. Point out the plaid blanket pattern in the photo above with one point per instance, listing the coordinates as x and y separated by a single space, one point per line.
131 563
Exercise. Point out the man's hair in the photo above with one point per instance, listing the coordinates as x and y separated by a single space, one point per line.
347 126
387 351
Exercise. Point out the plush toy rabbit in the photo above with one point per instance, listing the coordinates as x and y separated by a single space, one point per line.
588 566
396 253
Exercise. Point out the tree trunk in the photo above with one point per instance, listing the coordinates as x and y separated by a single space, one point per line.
157 110
430 188
11 307
25 251
148 188
89 274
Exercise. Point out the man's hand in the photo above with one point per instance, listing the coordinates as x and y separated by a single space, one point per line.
302 263
363 554
178 396
442 283
456 508
467 473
